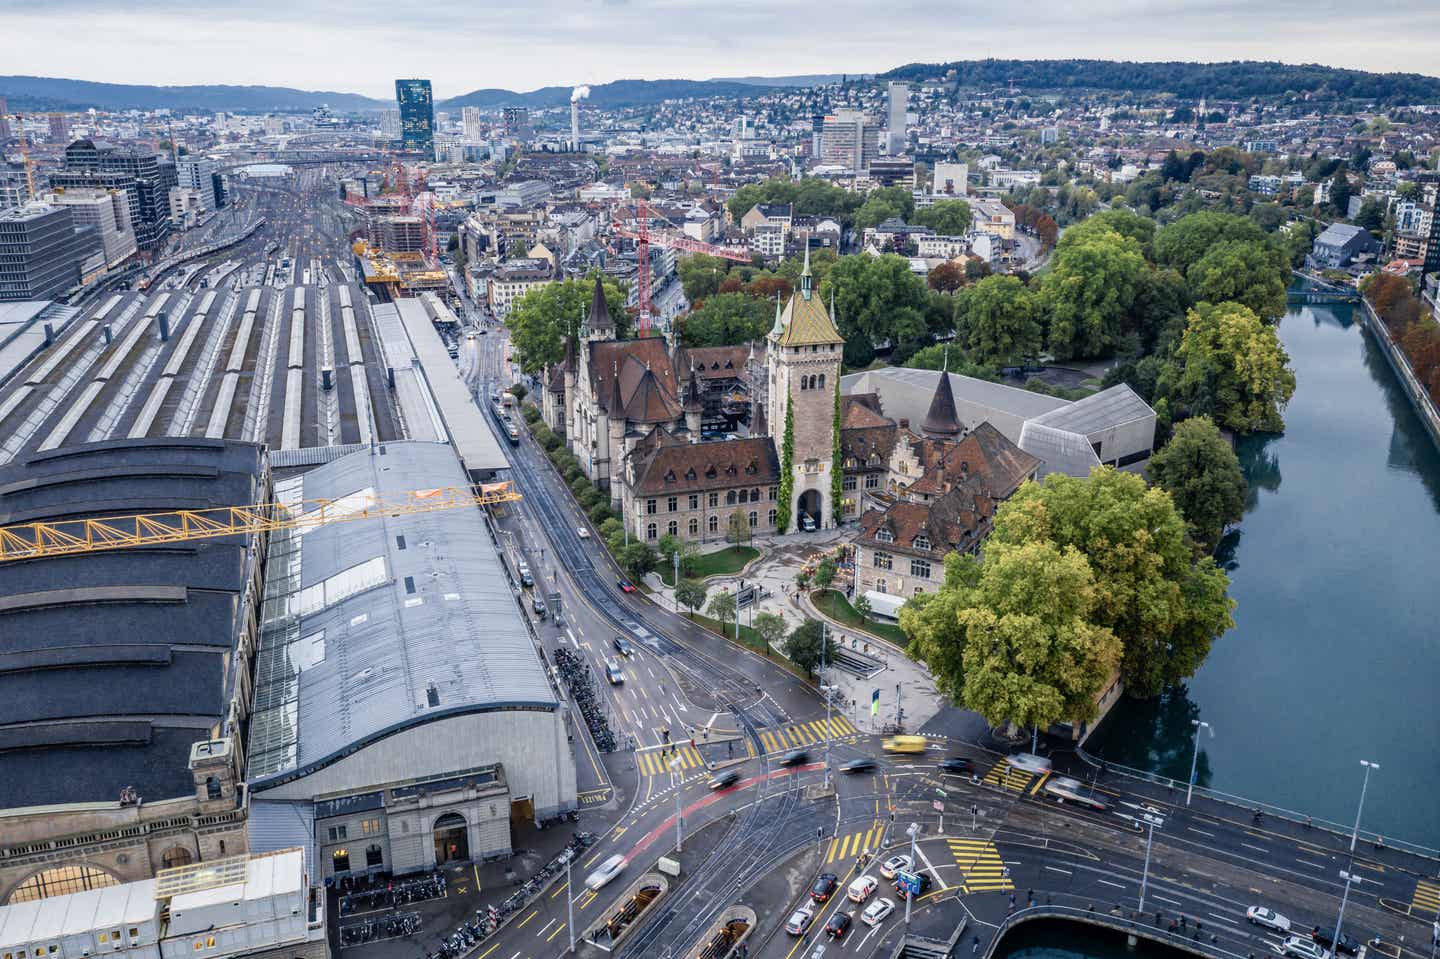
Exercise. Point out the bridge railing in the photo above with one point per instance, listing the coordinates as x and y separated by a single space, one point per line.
1191 942
1250 805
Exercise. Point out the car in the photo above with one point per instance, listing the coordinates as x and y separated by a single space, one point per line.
1326 938
623 646
825 884
625 585
924 883
526 579
800 919
483 331
538 605
861 888
894 864
864 764
876 912
838 925
956 766
582 532
1065 789
725 780
794 757
1269 918
614 673
1301 947
1029 762
605 872
807 524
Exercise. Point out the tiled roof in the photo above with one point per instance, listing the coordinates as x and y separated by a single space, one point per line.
862 410
692 467
942 419
631 359
717 362
984 461
956 521
598 319
806 322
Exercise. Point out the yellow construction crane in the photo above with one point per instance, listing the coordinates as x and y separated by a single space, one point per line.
68 537
25 157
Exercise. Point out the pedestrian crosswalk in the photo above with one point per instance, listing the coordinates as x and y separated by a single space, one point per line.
1426 901
853 844
803 734
981 868
656 762
1006 776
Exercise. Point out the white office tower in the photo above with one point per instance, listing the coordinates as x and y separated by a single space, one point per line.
470 121
951 179
899 96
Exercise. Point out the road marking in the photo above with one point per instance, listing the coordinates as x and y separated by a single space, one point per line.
1038 783
541 931
1312 865
1172 902
1065 872
1117 885
1426 897
562 887
1250 845
919 851
558 930
488 951
532 915
980 865
1207 835
1216 915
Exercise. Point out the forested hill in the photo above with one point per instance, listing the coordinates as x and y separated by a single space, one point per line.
617 93
54 93
1238 79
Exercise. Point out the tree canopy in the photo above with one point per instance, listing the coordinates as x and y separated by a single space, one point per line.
540 320
1232 367
945 217
1089 291
727 319
877 299
804 645
1202 474
1000 320
809 197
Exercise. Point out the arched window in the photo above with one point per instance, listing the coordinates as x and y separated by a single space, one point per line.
212 787
714 523
773 516
672 527
340 860
652 531
730 497
754 519
694 526
61 881
880 586
822 381
176 856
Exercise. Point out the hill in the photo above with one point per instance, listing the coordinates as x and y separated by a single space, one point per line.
617 93
1234 80
28 94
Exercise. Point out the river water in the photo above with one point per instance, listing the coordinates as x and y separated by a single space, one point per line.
1335 654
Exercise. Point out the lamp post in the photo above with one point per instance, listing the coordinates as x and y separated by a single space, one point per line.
1195 755
1152 818
828 698
676 556
1355 833
570 904
679 819
1349 877
914 831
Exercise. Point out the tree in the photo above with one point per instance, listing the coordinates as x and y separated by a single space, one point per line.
727 319
636 560
825 573
1165 605
1340 191
1245 271
862 606
805 644
1202 474
700 275
519 391
690 594
1089 291
837 464
1032 653
884 203
877 299
931 621
1139 228
722 607
947 277
946 217
543 318
787 472
771 628
1189 238
1001 320
951 357
1232 367
737 529
667 547
1371 217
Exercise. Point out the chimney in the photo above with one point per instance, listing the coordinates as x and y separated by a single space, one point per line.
575 125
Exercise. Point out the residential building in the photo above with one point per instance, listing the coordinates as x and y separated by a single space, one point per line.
513 279
517 123
1012 179
1339 245
417 117
992 216
198 173
951 180
390 124
59 128
1264 184
777 215
1049 135
897 94
136 170
40 251
931 246
768 241
107 212
472 123
522 195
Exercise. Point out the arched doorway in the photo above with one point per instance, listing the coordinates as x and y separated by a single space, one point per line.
62 881
176 856
452 840
810 506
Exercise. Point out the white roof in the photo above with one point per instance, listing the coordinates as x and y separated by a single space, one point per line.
265 876
24 924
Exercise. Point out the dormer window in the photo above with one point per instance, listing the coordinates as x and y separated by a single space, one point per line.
922 542
669 476
710 473
690 474
884 536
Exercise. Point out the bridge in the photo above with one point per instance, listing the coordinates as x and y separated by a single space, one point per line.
1311 289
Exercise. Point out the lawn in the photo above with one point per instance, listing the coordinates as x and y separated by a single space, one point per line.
731 559
748 638
838 608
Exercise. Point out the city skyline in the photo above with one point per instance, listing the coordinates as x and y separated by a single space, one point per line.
653 39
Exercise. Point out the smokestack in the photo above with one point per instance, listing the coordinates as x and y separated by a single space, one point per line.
576 95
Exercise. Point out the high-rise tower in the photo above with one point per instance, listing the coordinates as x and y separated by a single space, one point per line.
417 116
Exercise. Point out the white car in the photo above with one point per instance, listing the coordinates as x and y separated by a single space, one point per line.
1300 947
1269 918
800 919
876 912
894 864
582 532
862 888
1029 762
607 871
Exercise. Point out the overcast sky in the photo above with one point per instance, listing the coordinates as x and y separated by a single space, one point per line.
359 46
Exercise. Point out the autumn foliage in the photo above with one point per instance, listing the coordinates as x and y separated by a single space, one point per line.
1417 335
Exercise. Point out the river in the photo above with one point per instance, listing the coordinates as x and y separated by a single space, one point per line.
1335 654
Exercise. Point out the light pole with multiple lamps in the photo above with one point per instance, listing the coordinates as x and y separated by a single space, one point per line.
1355 833
1349 877
1195 755
675 767
1152 818
914 832
824 644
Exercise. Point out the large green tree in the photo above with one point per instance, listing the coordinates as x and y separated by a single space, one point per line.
1202 474
727 319
1245 271
1000 320
1230 365
884 203
540 320
1139 228
932 623
1089 292
1165 605
945 217
1189 238
701 275
1033 654
877 299
805 644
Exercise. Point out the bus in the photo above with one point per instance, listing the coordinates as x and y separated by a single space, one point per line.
905 744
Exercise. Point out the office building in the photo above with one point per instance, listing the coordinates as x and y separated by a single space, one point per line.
198 173
951 179
417 117
40 252
898 94
4 121
517 122
186 207
817 134
136 170
390 124
107 212
847 141
59 128
471 123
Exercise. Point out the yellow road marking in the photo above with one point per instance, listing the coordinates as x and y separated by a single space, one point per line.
532 915
1038 783
555 933
476 867
563 886
488 951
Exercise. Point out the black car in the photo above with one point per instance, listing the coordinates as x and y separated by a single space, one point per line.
862 765
725 780
924 886
1326 938
824 886
623 646
838 925
957 766
794 757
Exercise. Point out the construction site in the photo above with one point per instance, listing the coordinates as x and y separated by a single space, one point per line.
398 253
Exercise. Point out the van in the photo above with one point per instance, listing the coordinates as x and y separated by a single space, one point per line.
614 673
905 744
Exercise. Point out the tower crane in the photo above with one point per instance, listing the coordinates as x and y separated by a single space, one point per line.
71 536
643 238
25 157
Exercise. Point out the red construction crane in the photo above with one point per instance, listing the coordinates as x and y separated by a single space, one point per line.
678 241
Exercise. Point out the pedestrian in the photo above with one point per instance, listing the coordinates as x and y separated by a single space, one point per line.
975 946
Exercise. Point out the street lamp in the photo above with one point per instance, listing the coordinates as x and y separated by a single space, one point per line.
1340 919
913 831
828 699
1195 756
1355 833
570 903
1152 818
675 766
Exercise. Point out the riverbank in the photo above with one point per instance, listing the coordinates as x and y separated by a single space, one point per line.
1419 397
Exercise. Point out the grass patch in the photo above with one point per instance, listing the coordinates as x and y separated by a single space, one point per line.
838 608
748 638
731 559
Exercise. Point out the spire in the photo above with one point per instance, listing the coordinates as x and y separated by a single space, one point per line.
805 273
617 401
779 326
942 420
600 321
692 390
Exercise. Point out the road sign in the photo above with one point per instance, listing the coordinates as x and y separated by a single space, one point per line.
941 793
744 597
937 805
910 880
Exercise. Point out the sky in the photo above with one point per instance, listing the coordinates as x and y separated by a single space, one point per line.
360 46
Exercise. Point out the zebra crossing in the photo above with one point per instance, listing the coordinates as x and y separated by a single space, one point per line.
981 868
803 734
656 762
853 844
1006 776
1426 898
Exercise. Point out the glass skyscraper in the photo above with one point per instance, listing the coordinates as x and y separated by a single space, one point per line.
417 116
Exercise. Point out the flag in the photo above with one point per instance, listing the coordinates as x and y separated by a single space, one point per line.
875 703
